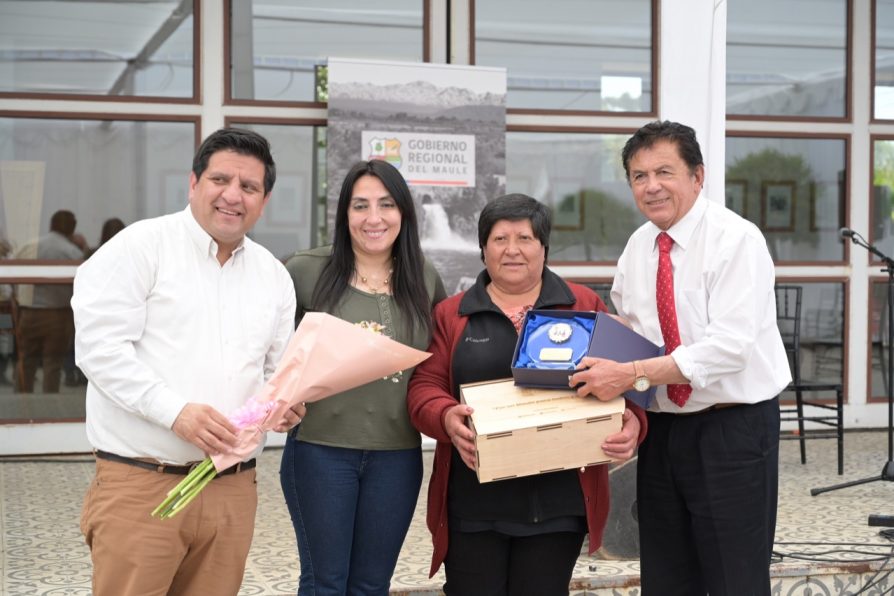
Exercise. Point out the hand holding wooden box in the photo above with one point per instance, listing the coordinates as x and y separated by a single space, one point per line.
523 431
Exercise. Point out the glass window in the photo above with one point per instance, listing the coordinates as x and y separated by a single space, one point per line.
581 177
594 55
96 169
822 331
787 58
793 189
279 47
881 203
126 48
884 59
295 217
879 340
62 185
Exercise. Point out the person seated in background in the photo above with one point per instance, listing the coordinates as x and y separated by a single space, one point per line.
110 227
46 326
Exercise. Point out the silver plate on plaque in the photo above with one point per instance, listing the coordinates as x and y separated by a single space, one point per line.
560 332
556 354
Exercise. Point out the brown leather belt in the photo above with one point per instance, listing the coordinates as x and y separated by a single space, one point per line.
168 468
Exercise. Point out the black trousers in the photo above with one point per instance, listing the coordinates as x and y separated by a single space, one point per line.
494 564
707 487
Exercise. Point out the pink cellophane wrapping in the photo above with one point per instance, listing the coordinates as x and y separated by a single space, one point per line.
325 356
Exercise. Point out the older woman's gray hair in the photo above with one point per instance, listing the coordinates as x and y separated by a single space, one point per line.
516 207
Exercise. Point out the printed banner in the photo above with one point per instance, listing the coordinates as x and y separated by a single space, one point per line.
443 127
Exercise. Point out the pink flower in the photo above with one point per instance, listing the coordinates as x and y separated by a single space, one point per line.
252 412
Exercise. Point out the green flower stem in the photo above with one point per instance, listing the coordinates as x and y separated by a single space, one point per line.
197 474
186 490
188 497
174 493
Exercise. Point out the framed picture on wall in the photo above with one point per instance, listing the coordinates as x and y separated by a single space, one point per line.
736 196
568 208
824 215
569 212
778 206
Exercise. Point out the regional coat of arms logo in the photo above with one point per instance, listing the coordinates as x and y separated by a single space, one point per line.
385 149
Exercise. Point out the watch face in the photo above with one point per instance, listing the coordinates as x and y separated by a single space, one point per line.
641 383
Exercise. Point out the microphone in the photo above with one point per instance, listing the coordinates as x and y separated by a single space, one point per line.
846 233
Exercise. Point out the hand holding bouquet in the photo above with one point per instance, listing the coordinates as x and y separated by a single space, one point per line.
325 356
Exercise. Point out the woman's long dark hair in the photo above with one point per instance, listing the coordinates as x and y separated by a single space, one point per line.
407 280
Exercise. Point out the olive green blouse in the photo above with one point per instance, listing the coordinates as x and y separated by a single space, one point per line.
372 416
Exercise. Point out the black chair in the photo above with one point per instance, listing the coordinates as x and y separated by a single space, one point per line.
788 317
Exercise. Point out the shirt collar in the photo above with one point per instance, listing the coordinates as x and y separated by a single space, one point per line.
202 239
553 292
682 231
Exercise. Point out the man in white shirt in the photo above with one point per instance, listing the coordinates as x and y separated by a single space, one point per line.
179 320
699 279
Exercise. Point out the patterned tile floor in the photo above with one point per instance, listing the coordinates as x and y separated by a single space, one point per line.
43 552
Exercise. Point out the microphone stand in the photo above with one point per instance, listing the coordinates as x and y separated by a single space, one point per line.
888 469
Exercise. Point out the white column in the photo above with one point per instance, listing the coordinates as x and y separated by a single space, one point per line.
212 60
692 78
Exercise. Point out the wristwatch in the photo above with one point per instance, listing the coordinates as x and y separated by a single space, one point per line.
640 381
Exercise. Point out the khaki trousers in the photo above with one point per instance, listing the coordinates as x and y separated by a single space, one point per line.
200 551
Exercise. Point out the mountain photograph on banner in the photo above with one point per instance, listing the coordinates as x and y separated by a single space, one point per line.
443 127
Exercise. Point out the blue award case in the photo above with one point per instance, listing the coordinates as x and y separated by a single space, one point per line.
608 339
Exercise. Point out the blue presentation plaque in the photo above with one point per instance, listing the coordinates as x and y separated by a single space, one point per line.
556 343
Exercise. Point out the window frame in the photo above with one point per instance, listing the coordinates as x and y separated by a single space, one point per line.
194 99
651 114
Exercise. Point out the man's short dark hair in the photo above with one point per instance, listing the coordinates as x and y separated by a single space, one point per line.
679 134
63 222
243 142
515 207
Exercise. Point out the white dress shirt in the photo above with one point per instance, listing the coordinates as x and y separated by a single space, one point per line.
731 350
159 323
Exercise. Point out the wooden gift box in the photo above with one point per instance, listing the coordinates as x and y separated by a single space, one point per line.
523 430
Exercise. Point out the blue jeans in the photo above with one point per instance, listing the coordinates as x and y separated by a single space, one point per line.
351 510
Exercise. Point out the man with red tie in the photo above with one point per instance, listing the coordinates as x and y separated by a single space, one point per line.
699 279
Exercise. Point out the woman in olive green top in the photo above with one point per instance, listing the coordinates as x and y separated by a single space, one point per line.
352 469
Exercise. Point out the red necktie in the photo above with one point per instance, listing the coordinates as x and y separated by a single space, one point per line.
667 312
